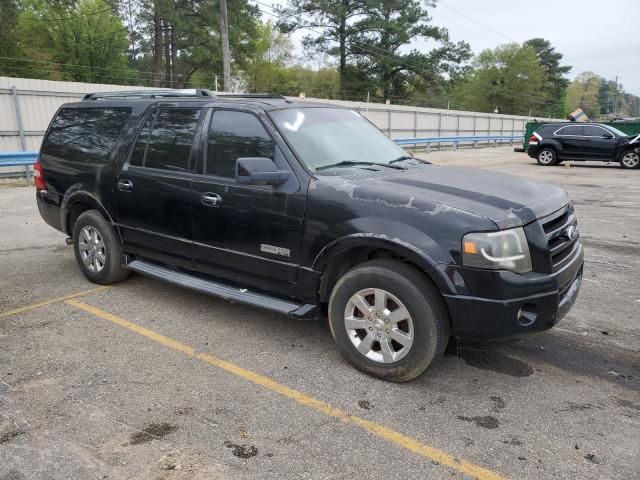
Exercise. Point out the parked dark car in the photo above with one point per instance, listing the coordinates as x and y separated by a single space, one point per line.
309 210
553 143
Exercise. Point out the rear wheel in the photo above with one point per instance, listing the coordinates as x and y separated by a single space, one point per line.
98 249
547 157
388 320
630 159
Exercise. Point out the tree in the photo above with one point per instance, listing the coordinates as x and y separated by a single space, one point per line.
556 83
509 78
387 27
9 37
332 19
265 66
583 93
370 39
82 42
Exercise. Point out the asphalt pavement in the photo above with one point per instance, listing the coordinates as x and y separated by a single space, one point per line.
144 380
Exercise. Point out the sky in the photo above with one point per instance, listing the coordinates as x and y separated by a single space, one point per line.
597 36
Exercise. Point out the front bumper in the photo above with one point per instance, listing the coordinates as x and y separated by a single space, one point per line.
503 305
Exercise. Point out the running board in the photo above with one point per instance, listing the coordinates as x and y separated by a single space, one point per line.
227 292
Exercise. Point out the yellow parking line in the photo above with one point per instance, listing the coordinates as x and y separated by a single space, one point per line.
49 302
376 429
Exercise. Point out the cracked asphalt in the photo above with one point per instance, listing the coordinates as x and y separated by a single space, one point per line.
145 380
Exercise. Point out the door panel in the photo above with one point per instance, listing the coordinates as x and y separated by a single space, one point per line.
154 216
573 144
153 190
251 234
599 147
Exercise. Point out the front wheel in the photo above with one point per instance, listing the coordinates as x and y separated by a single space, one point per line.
98 249
388 320
547 157
630 159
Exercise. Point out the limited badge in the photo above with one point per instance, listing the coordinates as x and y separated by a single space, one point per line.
274 250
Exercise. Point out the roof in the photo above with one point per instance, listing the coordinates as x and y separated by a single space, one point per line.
144 98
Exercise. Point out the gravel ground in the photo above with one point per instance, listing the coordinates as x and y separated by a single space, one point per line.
85 394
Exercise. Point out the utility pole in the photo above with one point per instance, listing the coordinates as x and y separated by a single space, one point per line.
615 99
226 54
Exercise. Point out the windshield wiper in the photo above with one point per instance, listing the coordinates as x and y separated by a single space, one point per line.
350 163
401 158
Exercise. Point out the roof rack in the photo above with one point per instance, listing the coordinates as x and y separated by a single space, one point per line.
250 95
193 92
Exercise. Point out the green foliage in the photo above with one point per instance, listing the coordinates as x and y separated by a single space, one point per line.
509 78
389 25
556 83
85 41
583 93
601 98
370 38
8 37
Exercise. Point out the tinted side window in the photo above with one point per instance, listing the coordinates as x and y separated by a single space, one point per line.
591 131
140 149
85 134
171 137
571 130
234 135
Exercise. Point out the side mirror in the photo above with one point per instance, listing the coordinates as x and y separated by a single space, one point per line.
259 171
607 135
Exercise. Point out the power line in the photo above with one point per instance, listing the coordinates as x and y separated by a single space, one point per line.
478 23
386 55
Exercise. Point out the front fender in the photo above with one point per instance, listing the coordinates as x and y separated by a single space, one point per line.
397 237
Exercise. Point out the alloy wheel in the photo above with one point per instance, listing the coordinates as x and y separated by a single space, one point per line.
92 249
379 325
631 159
545 157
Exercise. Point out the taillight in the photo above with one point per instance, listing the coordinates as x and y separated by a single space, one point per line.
38 177
533 139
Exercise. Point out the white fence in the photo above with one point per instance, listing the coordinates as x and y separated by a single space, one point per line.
27 105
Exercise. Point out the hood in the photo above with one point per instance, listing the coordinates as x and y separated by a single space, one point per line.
507 200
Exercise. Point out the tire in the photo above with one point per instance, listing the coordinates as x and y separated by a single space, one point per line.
547 157
630 159
98 249
426 325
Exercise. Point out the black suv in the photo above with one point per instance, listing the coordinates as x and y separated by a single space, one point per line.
308 210
554 142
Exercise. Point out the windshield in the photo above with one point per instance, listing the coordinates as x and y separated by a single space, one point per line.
326 137
616 131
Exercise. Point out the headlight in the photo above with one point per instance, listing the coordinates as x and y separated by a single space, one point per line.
503 250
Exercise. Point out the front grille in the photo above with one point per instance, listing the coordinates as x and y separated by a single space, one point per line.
561 247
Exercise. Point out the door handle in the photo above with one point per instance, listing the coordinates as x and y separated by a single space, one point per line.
211 199
125 185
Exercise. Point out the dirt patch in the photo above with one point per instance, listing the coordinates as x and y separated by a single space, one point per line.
485 421
365 404
576 407
184 463
8 430
242 451
498 403
151 432
496 362
513 441
12 475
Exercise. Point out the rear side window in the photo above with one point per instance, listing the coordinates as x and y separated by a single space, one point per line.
570 130
85 134
165 140
234 135
591 131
